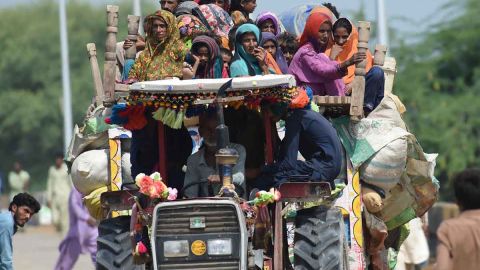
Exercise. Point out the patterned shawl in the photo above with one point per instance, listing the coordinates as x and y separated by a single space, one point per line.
214 67
189 27
161 58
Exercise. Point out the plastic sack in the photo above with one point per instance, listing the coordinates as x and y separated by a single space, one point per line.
90 170
92 202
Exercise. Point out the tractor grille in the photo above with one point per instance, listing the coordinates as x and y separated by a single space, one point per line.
215 265
220 220
176 220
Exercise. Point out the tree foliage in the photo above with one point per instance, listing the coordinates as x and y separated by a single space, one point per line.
438 79
31 117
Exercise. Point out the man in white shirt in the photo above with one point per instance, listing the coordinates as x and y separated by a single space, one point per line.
18 180
58 190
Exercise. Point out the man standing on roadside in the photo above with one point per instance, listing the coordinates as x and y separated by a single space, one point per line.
18 180
58 190
21 209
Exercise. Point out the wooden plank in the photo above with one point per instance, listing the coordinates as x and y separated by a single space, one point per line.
120 87
97 77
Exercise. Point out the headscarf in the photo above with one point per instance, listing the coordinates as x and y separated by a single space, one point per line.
294 19
185 7
279 58
214 67
264 16
310 33
216 19
161 58
348 50
190 26
245 64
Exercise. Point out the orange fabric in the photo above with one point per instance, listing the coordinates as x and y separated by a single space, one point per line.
324 10
271 63
348 50
314 21
300 100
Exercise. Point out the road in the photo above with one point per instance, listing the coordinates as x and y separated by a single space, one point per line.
37 248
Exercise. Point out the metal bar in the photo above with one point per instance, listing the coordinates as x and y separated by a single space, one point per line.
66 85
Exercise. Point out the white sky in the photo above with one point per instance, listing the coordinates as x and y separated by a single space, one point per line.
409 16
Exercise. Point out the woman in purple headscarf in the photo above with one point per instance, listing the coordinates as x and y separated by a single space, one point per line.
269 22
270 44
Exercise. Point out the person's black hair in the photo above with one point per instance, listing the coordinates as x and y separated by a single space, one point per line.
206 2
466 186
333 9
287 42
59 154
25 199
226 51
231 36
342 22
237 5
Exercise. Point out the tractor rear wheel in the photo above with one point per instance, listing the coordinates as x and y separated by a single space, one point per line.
320 239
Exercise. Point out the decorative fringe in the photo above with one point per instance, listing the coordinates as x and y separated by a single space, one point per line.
179 120
158 114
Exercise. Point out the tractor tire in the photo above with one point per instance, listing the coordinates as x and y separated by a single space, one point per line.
320 239
114 247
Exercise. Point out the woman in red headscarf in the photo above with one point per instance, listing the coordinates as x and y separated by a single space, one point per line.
311 67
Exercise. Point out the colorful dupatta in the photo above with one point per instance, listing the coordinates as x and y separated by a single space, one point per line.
161 58
264 16
214 67
189 27
279 58
348 50
245 64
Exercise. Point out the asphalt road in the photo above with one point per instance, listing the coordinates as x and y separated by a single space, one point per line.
37 248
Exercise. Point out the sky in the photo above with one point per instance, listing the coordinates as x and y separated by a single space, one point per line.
407 16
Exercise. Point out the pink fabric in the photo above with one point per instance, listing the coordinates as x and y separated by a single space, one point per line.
81 237
317 71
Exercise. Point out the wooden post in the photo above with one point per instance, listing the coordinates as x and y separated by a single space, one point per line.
356 106
379 55
110 55
278 240
97 77
133 22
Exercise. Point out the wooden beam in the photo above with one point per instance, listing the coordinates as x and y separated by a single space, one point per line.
133 22
379 55
110 55
97 77
358 93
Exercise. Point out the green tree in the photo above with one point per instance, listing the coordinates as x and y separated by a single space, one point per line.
30 72
438 79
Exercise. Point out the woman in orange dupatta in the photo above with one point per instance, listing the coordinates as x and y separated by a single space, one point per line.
346 40
311 66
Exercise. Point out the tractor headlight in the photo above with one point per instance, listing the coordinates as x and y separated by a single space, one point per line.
178 248
218 247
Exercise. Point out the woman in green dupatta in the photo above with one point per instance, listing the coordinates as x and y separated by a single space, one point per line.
164 52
